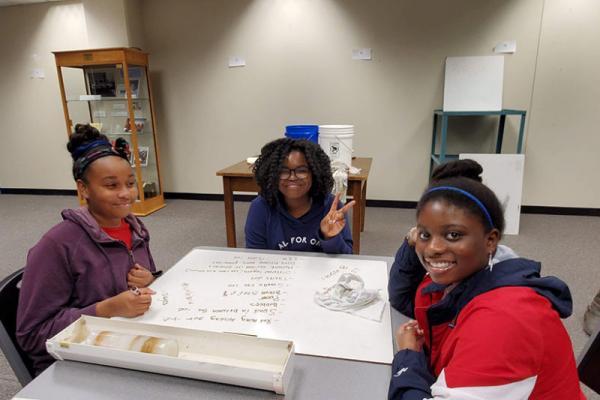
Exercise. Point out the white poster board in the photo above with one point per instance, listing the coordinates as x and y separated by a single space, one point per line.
270 295
503 173
473 83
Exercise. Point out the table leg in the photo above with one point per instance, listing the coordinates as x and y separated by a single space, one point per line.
364 205
229 212
355 190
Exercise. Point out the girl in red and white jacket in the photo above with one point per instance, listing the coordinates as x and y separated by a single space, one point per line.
487 325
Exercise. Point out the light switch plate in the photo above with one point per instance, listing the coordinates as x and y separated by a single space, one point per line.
237 61
362 54
506 47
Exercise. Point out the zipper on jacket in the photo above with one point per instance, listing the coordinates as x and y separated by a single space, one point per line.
430 326
131 256
452 323
128 250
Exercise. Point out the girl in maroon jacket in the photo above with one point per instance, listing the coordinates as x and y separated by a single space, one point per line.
97 261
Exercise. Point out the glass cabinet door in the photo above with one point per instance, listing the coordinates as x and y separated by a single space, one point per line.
98 95
143 126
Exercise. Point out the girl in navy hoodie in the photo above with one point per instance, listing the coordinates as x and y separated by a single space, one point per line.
97 261
487 326
295 209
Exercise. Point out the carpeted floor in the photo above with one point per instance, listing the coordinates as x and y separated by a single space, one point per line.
566 245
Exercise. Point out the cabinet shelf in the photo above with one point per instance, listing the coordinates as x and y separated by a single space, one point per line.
140 134
107 98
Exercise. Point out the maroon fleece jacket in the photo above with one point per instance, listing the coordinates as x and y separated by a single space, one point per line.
73 266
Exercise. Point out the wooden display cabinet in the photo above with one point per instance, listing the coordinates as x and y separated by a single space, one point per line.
110 89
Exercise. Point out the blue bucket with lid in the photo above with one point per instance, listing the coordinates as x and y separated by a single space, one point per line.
307 132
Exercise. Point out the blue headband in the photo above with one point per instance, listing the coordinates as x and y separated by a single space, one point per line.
92 151
469 195
84 148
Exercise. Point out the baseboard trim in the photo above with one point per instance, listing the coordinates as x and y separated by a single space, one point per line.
207 196
40 192
392 204
580 211
587 212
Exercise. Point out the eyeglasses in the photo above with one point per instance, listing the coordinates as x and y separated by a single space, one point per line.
300 173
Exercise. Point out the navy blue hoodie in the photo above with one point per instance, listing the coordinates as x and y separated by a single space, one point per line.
274 228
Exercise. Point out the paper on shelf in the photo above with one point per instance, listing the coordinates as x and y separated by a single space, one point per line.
88 97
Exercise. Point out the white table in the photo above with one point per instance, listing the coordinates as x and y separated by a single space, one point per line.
313 378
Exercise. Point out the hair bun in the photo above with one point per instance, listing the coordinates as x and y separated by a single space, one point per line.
458 168
83 133
121 146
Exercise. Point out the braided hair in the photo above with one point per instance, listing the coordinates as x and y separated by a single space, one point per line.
270 162
451 180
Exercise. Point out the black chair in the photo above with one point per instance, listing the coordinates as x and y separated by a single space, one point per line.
588 363
9 298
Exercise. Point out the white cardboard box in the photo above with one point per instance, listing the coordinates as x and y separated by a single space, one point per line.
213 356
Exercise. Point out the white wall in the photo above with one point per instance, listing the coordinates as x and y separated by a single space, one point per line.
299 71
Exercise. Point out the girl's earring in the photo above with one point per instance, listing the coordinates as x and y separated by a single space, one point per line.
491 262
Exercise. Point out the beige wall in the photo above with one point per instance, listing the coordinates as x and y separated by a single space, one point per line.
133 16
32 126
106 23
299 70
563 146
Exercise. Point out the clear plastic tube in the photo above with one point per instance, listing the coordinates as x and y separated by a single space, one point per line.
141 343
125 341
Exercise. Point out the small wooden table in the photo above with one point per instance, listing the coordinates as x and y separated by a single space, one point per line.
239 177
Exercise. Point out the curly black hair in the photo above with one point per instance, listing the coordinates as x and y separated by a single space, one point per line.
270 162
465 175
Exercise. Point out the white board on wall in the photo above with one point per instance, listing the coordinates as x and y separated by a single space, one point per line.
473 83
503 173
270 295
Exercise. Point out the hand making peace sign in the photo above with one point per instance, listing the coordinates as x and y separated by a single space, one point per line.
334 221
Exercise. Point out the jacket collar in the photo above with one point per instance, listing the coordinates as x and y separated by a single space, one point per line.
82 217
511 272
313 212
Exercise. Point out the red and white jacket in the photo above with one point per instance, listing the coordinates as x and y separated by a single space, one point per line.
497 335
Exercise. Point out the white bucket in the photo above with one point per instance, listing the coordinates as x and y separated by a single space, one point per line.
336 141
